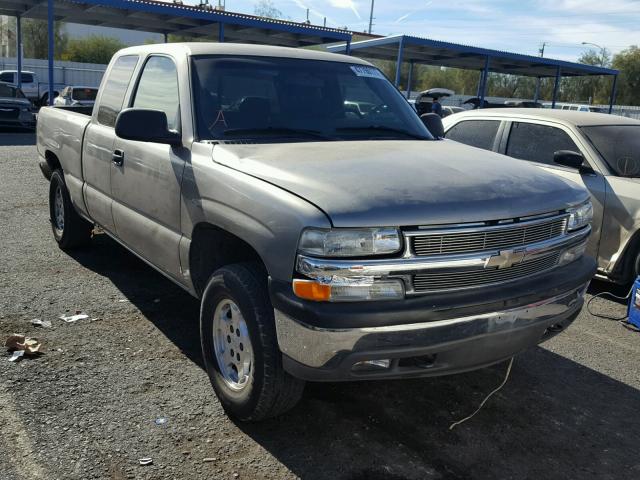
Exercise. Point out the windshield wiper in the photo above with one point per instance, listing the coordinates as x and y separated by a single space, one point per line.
383 128
277 131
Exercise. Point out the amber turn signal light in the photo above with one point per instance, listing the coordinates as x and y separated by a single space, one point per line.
310 290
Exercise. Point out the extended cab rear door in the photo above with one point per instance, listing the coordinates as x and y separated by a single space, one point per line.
98 141
146 182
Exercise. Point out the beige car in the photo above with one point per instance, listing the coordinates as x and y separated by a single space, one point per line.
600 152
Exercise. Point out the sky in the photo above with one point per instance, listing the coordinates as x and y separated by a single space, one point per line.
513 25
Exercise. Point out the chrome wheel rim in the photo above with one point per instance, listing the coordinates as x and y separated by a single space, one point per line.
58 209
232 345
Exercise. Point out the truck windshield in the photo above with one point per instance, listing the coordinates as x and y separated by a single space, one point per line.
267 98
619 146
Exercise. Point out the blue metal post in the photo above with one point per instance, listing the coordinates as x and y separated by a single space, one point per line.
399 64
480 80
409 80
221 32
347 49
50 49
19 49
612 99
556 87
166 37
485 78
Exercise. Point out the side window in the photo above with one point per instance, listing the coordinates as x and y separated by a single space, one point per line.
537 143
158 89
115 89
477 133
6 77
27 78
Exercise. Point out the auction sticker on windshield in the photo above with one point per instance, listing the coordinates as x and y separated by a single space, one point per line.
364 71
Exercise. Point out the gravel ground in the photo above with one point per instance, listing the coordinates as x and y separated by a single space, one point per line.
87 407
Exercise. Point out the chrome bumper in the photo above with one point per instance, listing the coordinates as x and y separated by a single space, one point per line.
456 344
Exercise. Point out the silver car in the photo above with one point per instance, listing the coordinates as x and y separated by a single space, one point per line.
600 152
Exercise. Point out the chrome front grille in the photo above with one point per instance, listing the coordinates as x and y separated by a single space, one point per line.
482 239
447 280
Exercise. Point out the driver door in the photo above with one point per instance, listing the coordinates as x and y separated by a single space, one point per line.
146 178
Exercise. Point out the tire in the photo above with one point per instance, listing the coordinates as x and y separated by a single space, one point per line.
249 380
69 229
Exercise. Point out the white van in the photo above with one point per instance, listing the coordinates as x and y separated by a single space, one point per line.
29 82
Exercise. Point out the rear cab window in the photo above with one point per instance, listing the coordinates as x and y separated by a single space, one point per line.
115 89
477 133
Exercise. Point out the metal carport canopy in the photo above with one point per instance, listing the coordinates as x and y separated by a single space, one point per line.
416 50
435 52
166 18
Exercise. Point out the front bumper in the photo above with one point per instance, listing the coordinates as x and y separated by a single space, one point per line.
429 348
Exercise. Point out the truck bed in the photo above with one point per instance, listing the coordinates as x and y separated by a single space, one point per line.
60 132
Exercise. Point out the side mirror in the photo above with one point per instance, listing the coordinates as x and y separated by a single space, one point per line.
433 122
571 159
568 158
145 125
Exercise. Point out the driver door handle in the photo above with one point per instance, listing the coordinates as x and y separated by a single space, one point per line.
117 157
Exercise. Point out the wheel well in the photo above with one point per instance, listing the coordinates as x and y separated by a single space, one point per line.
212 248
52 161
625 272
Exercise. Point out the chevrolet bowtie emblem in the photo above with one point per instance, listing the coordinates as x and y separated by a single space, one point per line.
505 259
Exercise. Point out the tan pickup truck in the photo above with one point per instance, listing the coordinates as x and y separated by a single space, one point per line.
327 233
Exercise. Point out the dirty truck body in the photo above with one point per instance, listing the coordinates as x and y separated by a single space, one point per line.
325 242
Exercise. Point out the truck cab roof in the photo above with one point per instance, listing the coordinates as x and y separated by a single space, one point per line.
206 48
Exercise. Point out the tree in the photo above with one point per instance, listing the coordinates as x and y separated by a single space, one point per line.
93 49
35 38
628 62
585 89
266 8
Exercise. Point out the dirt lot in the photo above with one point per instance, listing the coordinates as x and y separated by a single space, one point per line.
87 407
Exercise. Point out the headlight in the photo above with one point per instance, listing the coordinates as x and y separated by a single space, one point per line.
350 242
580 216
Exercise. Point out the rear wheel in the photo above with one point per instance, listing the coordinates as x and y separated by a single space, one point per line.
240 347
69 229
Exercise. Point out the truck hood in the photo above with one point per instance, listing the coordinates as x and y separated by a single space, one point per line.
404 183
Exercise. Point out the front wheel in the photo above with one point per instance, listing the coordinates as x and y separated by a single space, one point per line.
240 346
69 229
